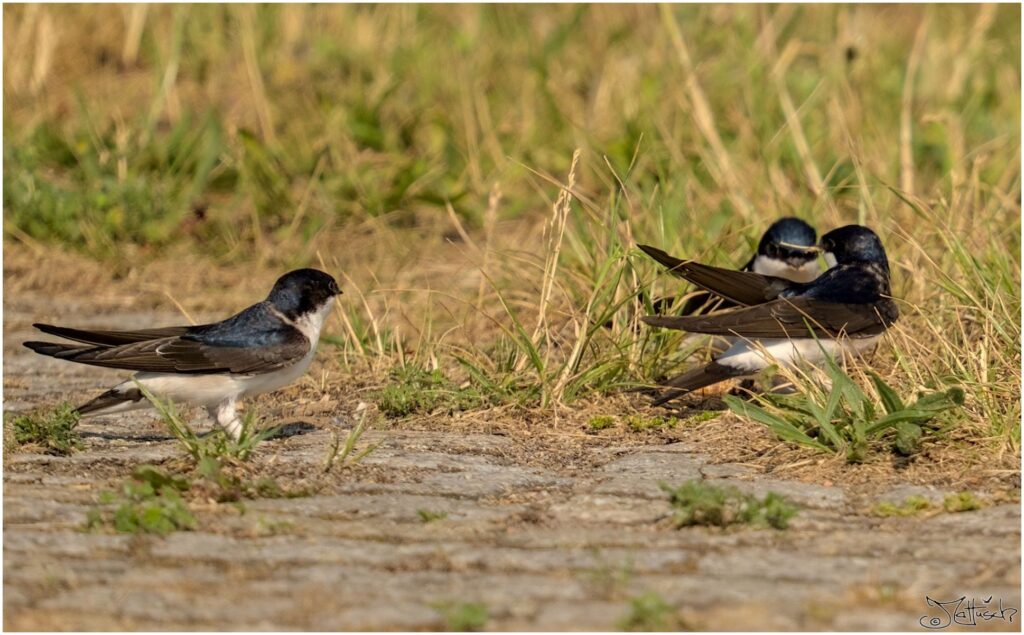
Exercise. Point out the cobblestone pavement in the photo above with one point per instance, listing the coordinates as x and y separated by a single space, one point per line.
541 546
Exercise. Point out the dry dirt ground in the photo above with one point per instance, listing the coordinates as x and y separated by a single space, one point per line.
549 529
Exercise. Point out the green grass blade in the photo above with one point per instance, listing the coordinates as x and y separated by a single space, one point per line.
782 428
890 399
823 417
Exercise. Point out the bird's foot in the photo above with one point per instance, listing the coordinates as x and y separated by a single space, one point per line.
233 428
226 417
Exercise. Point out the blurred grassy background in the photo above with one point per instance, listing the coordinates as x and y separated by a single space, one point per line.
233 125
271 134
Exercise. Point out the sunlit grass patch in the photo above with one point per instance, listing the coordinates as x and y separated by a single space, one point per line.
345 454
148 502
968 331
961 502
650 612
921 506
156 500
428 516
640 423
54 431
600 422
578 333
837 415
147 197
462 617
413 389
910 506
699 503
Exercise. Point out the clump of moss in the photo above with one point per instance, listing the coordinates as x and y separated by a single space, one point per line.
413 389
600 422
961 502
149 502
463 617
911 506
698 503
640 423
55 432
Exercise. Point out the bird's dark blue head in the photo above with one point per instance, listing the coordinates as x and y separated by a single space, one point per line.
789 239
854 244
303 291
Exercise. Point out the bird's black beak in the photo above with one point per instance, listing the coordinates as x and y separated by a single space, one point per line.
806 249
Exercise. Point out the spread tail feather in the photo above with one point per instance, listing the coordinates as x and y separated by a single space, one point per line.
114 400
672 263
52 349
111 338
696 379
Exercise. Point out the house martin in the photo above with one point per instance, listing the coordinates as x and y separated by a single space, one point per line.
846 309
265 347
786 250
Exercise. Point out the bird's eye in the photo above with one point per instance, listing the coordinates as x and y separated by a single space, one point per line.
772 250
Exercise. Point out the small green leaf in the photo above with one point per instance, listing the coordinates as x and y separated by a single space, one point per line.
857 452
157 479
940 401
824 421
910 415
855 397
890 399
908 438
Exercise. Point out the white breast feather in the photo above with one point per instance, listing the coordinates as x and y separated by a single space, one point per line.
767 266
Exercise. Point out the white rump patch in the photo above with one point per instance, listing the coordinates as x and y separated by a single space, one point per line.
752 356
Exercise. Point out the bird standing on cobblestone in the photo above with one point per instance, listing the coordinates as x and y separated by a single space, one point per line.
265 347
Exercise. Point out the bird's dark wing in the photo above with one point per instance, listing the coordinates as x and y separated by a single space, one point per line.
112 338
702 301
790 317
742 287
188 354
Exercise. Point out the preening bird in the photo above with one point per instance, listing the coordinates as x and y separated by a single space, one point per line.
786 250
846 309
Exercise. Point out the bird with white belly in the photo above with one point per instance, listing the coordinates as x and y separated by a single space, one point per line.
265 347
846 309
